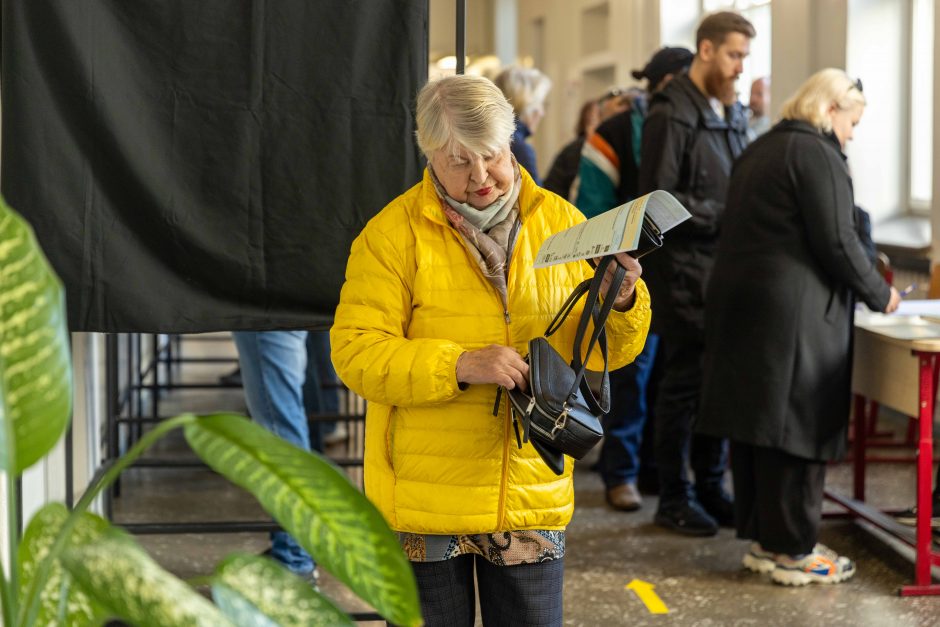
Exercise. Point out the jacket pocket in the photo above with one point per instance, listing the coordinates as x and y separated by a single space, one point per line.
388 438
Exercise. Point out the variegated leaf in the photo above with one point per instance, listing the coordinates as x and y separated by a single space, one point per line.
259 592
35 364
61 602
117 573
316 503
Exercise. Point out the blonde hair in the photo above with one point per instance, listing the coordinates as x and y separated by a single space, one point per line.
462 110
825 88
525 88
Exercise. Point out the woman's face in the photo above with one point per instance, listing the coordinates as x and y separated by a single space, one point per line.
844 121
474 179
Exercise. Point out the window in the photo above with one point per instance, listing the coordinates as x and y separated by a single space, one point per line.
921 131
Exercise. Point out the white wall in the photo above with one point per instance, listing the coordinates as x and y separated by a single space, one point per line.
586 47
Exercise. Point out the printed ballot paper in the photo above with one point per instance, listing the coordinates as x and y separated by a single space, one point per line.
635 227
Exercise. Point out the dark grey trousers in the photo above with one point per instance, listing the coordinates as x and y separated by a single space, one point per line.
523 595
777 498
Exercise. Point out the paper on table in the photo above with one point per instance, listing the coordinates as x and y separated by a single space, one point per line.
919 308
614 231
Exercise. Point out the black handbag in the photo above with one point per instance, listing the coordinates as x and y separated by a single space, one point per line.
559 413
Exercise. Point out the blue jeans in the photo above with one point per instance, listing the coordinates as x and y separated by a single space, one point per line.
274 367
623 425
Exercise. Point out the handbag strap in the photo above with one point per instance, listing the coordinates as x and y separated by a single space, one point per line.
599 335
598 313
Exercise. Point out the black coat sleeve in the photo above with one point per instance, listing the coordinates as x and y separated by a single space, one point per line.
824 194
564 169
663 149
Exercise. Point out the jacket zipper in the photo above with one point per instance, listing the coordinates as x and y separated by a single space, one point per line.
507 436
500 513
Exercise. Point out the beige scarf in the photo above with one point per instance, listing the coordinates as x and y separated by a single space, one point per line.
493 248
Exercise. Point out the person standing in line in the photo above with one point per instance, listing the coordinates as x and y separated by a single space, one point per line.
321 393
273 369
564 169
615 100
440 298
608 170
694 131
526 90
758 121
778 327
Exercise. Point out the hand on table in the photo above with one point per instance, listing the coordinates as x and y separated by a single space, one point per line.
894 301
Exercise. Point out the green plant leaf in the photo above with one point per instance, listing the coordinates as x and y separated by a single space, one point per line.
61 602
260 592
35 364
117 573
317 504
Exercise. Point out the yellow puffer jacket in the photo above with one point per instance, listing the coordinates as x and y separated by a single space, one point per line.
436 459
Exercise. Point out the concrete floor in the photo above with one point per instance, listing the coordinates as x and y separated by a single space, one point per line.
700 581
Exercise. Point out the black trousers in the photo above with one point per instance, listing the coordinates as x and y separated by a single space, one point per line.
526 594
676 409
777 498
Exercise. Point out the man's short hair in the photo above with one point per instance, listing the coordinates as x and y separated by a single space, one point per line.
715 28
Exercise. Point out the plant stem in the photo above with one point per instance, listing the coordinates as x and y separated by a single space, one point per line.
9 586
30 606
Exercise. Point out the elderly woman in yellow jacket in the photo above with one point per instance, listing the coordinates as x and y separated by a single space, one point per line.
440 297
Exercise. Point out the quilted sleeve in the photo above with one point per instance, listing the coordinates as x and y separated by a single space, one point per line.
626 332
370 350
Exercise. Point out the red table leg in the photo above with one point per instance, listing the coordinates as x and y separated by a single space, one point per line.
928 379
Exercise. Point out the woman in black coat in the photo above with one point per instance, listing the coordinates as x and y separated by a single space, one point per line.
778 327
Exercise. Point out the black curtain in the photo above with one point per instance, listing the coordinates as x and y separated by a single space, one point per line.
200 165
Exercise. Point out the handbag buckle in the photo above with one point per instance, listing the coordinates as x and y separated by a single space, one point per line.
561 421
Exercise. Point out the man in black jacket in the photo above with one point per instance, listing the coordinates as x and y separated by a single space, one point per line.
694 131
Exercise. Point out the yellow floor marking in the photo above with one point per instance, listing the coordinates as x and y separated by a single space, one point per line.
644 590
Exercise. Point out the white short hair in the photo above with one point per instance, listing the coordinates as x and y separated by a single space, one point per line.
525 88
823 89
462 110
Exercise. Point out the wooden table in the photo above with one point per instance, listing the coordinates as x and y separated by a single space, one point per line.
895 363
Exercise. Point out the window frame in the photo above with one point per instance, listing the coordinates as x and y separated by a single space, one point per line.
917 207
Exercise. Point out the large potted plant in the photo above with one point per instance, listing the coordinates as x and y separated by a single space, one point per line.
75 568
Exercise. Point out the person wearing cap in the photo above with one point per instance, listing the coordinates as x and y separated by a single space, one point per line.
607 174
611 156
694 131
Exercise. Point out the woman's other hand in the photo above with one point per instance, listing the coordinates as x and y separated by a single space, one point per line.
894 301
493 364
624 299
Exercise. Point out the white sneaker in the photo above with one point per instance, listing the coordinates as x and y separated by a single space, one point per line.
758 560
823 565
337 436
